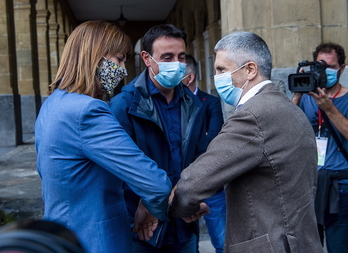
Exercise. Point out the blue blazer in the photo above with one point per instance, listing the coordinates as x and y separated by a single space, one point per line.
211 106
83 158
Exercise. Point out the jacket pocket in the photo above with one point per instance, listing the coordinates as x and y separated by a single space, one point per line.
261 244
114 234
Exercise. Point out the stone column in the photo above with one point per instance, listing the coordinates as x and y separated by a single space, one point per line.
61 41
214 32
208 62
43 46
61 31
199 54
53 39
54 52
27 63
10 113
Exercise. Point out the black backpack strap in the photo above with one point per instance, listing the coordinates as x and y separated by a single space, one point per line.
334 135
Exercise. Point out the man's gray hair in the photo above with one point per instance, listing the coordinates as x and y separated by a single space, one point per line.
191 66
243 47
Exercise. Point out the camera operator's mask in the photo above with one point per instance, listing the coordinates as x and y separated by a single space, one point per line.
227 91
332 76
170 73
110 74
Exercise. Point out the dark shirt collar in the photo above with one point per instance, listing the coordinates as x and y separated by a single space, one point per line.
152 89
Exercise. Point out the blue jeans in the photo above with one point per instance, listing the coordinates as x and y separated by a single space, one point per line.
216 220
336 225
187 247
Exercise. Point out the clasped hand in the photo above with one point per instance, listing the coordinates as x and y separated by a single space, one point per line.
145 223
203 209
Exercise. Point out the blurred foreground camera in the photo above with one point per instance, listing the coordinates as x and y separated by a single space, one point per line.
308 80
38 236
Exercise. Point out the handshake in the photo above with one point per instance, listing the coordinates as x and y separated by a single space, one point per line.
145 224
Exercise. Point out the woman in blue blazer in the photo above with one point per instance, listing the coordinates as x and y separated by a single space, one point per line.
84 156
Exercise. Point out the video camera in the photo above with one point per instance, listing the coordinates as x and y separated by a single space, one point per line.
308 80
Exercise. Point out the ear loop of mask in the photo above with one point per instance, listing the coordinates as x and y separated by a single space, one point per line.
188 84
154 61
247 81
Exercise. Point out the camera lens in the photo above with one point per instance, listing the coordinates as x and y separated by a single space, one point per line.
302 82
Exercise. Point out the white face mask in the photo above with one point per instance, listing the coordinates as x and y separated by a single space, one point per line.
227 91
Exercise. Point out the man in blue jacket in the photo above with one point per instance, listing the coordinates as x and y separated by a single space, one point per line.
165 120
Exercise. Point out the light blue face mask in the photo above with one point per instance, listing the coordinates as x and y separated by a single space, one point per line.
331 76
170 73
227 91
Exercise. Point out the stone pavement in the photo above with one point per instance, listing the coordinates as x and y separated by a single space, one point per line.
20 188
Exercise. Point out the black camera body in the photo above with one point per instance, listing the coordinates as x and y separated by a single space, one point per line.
308 80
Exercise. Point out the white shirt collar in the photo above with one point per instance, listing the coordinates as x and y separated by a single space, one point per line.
252 92
196 90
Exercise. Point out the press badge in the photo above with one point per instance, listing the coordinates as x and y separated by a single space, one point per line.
321 147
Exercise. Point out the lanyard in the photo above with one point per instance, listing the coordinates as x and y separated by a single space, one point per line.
320 118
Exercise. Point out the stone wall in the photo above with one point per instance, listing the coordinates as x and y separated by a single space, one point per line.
292 29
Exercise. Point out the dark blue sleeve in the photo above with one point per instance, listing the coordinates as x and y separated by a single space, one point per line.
214 118
119 106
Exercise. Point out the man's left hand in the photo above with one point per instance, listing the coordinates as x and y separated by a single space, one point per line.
322 99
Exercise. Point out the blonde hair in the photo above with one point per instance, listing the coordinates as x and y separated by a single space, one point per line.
83 52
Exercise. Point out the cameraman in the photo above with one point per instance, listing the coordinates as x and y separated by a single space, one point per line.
332 214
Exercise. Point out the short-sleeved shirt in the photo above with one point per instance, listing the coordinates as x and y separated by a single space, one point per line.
334 159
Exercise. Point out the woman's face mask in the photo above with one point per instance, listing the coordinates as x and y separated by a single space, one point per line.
332 77
227 91
110 74
170 73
